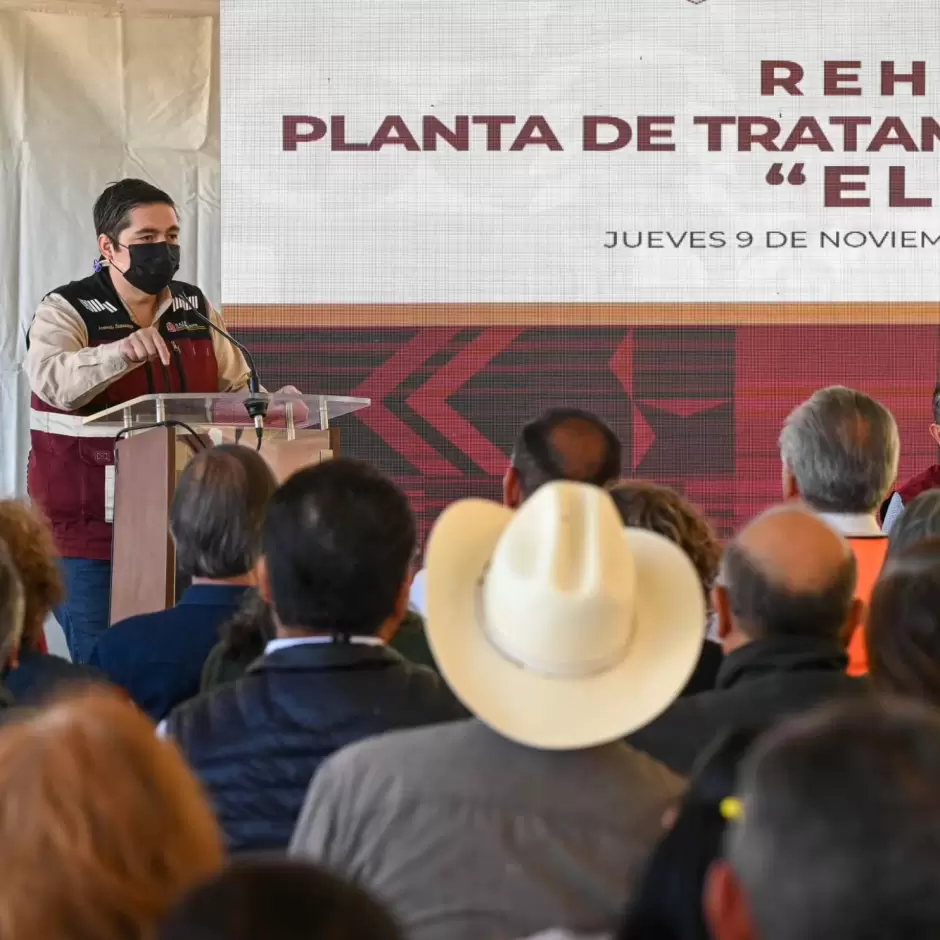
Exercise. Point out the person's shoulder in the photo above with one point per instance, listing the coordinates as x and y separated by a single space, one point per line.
72 290
207 710
429 687
925 480
400 754
189 291
133 631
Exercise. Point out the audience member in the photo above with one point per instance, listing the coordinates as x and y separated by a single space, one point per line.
562 631
561 444
927 480
903 627
785 605
215 520
840 833
645 505
102 826
243 639
338 543
668 904
920 520
31 674
12 617
278 900
840 453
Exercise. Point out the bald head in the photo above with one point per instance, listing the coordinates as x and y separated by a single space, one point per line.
788 573
565 444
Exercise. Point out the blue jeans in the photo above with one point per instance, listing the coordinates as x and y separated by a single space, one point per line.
83 615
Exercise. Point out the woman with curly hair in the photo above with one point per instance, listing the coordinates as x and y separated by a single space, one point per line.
30 674
644 505
103 828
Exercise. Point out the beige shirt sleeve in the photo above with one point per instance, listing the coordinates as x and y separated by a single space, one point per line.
62 369
233 369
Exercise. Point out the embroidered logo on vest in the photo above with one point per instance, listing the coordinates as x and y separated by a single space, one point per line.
98 306
183 327
185 303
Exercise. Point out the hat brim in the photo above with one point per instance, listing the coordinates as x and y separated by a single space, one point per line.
554 713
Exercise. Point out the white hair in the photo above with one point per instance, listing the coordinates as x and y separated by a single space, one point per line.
842 448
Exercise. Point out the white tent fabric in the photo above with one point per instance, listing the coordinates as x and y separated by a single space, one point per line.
91 92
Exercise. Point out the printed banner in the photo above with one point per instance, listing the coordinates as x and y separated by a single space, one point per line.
470 211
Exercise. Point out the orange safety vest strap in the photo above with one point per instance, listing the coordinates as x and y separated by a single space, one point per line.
870 555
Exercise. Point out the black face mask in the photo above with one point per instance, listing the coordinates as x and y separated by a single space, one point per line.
152 266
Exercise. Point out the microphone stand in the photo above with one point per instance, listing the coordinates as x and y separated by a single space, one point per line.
256 404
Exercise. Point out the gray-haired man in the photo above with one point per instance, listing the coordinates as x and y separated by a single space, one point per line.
840 451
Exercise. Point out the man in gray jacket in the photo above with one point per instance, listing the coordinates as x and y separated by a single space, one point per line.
562 632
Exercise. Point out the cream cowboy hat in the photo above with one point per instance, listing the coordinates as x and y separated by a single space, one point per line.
556 626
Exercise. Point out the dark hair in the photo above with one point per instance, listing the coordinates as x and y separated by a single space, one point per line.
840 831
668 903
936 403
114 206
659 509
566 444
903 626
278 900
767 609
218 510
339 541
919 520
248 630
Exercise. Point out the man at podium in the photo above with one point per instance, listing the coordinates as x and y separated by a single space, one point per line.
127 330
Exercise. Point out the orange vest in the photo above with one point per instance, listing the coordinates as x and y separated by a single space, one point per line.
870 554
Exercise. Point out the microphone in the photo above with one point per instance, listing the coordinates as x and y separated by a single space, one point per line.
255 404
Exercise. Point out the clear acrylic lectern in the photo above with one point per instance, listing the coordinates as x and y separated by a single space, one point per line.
158 435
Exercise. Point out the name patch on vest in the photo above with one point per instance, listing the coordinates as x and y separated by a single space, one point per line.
184 327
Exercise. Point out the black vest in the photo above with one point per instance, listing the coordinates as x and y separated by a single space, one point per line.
257 743
66 475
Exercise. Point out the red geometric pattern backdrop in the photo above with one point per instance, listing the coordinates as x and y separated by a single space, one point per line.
697 408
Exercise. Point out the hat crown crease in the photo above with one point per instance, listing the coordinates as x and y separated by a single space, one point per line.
558 596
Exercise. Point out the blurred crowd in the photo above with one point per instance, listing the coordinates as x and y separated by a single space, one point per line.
572 714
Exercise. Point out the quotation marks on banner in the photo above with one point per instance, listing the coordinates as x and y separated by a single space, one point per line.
796 176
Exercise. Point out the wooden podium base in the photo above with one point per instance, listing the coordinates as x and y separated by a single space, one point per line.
147 466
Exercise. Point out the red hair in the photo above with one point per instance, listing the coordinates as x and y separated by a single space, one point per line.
102 826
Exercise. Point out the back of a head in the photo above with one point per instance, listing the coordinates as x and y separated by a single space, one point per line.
789 574
278 900
218 511
659 509
842 448
566 444
903 626
32 549
102 825
339 541
840 833
12 607
919 520
668 904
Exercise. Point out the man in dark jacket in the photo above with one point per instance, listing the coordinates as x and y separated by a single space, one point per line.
786 606
337 545
215 520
